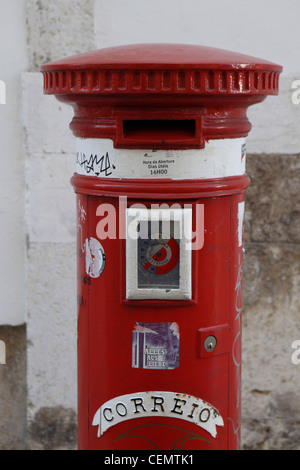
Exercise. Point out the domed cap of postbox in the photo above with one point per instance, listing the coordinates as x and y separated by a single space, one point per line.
161 69
171 96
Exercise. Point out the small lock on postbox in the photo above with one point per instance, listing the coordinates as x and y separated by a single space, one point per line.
160 182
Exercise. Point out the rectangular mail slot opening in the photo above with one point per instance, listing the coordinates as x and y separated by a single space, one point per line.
159 130
154 129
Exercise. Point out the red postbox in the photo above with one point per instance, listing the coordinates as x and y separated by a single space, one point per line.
160 181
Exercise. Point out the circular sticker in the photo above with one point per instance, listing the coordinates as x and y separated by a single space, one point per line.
94 257
159 256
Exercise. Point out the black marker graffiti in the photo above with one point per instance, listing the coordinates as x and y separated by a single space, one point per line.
95 164
81 301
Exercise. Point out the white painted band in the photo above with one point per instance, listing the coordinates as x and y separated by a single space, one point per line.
220 158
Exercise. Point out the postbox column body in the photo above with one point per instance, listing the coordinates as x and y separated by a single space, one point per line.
176 363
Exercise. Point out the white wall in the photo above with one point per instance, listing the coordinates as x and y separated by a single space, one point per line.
13 61
51 261
268 29
54 29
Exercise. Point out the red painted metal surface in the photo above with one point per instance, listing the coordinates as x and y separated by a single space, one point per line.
106 324
166 81
161 97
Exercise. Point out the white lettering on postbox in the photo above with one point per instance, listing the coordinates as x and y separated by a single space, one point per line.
154 404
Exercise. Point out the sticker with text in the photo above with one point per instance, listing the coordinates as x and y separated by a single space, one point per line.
155 345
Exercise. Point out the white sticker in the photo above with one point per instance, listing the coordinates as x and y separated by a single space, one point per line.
94 258
220 158
152 166
154 404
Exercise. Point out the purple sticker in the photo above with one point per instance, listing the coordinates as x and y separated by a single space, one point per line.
155 345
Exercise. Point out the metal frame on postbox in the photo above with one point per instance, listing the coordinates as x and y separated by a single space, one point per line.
181 218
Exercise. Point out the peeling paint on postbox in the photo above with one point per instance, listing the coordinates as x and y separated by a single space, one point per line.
241 213
154 404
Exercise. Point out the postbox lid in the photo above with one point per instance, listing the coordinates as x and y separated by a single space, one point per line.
161 69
